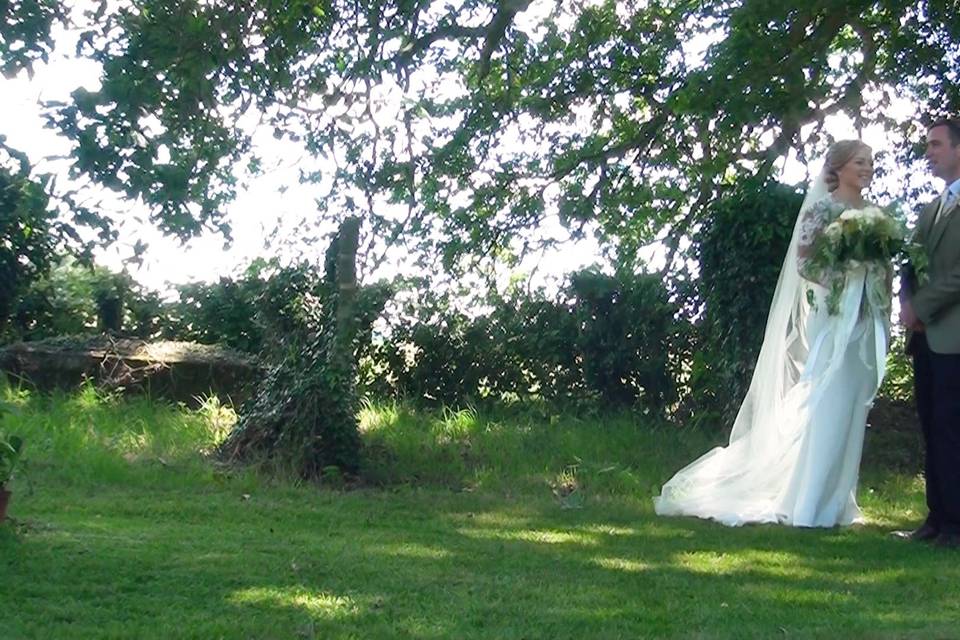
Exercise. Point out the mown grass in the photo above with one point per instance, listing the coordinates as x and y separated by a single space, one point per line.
518 524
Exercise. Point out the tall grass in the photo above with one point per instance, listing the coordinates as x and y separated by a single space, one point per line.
521 450
91 437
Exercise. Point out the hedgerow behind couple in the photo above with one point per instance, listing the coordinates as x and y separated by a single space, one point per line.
795 447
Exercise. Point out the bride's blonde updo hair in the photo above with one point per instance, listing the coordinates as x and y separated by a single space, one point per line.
839 154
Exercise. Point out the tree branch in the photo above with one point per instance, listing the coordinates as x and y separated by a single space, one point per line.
447 32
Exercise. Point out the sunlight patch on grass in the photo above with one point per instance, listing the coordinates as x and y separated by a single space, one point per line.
890 518
621 564
374 417
494 519
87 398
411 550
105 532
13 396
779 564
130 443
455 426
663 527
608 530
769 563
888 515
539 536
320 604
901 618
879 577
893 500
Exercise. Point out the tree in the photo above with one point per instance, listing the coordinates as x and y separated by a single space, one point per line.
26 239
626 117
26 35
304 414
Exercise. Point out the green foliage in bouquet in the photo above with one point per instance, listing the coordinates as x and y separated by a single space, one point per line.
915 257
867 236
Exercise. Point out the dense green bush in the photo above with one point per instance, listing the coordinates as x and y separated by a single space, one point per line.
228 311
257 310
627 333
72 298
602 338
740 249
422 352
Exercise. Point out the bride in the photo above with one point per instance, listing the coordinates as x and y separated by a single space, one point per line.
795 447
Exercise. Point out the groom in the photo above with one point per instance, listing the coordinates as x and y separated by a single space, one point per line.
930 310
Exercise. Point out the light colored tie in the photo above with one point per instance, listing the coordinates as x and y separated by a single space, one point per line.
947 200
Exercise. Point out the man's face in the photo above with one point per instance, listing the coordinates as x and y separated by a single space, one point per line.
942 155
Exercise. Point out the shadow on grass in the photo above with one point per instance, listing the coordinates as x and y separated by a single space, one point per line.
428 564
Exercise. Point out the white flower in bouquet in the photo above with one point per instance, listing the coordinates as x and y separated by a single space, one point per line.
865 215
834 230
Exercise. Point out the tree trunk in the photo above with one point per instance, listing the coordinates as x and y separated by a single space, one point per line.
306 409
345 281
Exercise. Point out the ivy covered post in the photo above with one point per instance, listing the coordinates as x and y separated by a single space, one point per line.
304 415
338 440
341 273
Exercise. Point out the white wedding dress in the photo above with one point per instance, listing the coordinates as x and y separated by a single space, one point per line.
794 451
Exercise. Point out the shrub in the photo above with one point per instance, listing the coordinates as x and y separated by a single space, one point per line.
603 338
740 249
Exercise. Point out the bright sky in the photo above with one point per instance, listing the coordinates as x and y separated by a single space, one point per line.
260 207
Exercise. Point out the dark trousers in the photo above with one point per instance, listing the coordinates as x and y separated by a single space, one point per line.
937 387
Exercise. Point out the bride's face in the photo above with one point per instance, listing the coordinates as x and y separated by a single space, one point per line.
858 172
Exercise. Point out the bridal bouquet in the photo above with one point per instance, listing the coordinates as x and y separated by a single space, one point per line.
866 237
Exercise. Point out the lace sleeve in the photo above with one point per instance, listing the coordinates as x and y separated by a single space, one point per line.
812 222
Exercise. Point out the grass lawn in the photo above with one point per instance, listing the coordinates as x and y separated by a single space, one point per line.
520 525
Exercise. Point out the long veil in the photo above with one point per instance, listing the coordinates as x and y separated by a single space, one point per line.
785 342
743 481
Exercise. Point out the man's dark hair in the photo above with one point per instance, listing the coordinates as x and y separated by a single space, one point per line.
952 125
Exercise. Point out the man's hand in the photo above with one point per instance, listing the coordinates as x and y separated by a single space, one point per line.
908 317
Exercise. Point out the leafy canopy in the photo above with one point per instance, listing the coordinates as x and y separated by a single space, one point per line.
461 127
